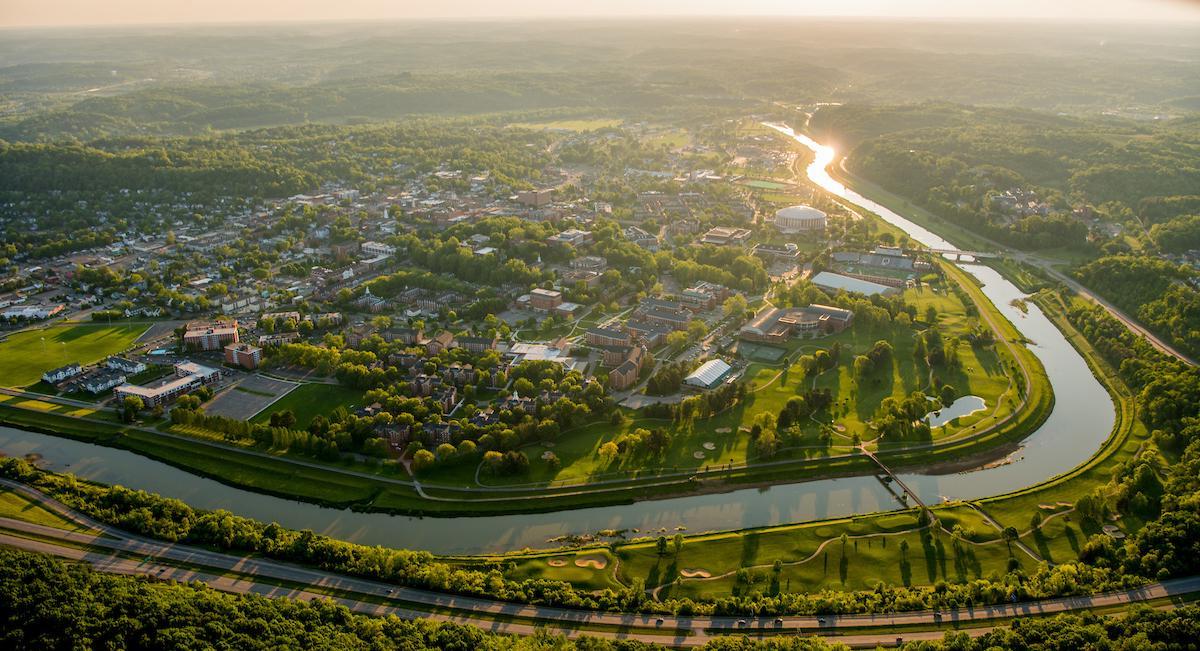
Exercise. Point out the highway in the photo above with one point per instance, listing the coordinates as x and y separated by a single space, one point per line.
113 550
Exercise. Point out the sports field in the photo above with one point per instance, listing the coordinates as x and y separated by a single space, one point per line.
309 400
760 352
25 355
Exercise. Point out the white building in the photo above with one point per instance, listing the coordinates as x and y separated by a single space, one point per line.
797 219
32 312
378 248
59 374
830 281
122 364
709 375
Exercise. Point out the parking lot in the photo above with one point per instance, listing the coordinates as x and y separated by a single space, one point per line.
249 396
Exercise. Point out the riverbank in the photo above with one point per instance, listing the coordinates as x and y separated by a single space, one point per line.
706 510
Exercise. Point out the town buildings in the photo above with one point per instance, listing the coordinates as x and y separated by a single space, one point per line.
535 198
61 373
607 337
545 299
573 237
243 355
773 325
124 365
708 375
835 282
378 248
726 235
188 377
210 336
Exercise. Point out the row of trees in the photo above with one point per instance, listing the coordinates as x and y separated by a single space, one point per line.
46 603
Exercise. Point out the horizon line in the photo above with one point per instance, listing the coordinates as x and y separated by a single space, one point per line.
549 18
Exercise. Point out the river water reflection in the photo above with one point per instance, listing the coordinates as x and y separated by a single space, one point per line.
1082 418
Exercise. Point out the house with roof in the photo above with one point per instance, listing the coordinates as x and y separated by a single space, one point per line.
62 373
441 341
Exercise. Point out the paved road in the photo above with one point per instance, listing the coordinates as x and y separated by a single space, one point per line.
1115 311
111 550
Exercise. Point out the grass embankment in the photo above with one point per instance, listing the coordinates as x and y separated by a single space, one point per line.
813 556
773 386
25 355
18 507
1129 434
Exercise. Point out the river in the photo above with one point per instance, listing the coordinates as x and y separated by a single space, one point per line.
1081 420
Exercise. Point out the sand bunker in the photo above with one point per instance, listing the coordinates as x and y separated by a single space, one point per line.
840 428
594 562
723 430
697 454
547 455
695 573
709 445
557 562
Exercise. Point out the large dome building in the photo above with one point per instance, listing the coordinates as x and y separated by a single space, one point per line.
796 219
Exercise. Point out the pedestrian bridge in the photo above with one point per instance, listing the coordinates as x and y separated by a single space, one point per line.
958 253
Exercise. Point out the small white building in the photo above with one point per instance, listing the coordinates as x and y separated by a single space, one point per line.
378 248
62 373
709 375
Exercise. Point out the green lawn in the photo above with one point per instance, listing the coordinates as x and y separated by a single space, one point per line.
723 439
873 551
17 506
309 400
25 355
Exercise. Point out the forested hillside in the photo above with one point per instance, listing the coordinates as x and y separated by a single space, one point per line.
173 81
1159 293
960 161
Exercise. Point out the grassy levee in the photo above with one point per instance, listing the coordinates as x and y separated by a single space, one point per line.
337 487
811 554
1127 437
18 507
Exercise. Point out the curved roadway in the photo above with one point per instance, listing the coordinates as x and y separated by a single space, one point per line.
113 550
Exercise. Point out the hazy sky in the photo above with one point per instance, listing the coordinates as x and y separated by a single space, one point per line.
115 12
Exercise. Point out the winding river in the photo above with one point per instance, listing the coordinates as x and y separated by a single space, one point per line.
1082 418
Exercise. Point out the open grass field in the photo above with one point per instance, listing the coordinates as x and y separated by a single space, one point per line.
309 400
887 547
50 407
18 507
25 355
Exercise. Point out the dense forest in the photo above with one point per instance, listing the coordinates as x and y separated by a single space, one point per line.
273 162
46 603
1025 178
1160 485
1158 293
